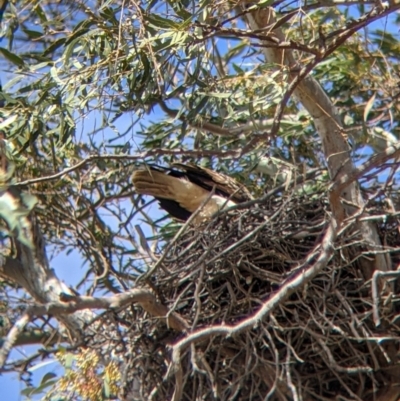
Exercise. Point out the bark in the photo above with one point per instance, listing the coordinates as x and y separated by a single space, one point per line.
337 155
330 129
29 268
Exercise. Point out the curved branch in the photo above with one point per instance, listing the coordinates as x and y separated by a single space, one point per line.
327 122
288 288
12 337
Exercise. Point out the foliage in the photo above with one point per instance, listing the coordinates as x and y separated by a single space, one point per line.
86 378
92 89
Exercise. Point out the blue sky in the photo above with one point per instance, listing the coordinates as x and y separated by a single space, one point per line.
69 268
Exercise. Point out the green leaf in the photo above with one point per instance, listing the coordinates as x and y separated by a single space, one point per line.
193 113
179 8
151 4
216 94
76 37
54 75
77 34
160 22
31 87
179 38
13 58
146 67
69 360
109 15
28 200
28 391
237 69
41 66
41 14
15 213
54 46
48 376
264 3
106 387
8 121
42 387
369 106
32 34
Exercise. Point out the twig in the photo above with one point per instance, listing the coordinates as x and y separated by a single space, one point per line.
139 156
344 180
75 303
12 337
289 380
326 251
375 292
189 221
203 125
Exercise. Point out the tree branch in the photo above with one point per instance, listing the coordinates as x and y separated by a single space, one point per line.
327 123
139 156
292 285
12 337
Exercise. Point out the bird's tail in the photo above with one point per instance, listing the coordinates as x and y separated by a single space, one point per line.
157 184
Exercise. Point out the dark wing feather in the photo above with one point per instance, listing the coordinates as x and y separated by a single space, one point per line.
205 178
224 185
170 206
174 209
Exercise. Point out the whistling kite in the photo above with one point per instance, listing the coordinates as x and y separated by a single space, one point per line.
182 188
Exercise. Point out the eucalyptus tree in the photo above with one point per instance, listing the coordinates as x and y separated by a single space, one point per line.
263 91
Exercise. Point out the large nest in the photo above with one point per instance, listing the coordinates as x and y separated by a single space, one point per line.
320 343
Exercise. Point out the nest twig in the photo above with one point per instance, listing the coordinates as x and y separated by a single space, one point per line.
247 341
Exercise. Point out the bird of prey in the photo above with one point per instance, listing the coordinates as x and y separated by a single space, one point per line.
183 188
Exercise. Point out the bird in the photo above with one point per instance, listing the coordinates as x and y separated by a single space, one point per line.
182 188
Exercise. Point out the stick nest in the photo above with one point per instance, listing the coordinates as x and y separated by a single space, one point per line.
319 344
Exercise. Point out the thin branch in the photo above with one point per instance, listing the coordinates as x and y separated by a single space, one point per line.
259 34
142 296
375 292
205 126
376 160
181 231
12 337
289 287
140 156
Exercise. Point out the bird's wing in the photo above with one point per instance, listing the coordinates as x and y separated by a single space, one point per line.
208 179
164 186
182 189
